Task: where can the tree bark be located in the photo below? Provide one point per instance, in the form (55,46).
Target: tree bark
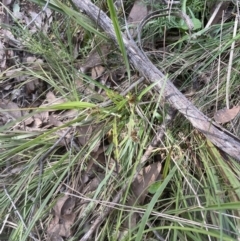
(218,137)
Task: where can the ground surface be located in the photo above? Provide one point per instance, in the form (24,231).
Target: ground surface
(74,127)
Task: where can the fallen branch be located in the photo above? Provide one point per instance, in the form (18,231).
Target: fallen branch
(218,137)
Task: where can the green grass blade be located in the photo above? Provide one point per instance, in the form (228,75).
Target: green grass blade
(118,34)
(70,105)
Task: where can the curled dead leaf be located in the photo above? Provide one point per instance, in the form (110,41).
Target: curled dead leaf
(68,206)
(52,99)
(85,133)
(139,187)
(55,237)
(225,115)
(10,109)
(54,121)
(138,12)
(7,2)
(37,123)
(29,121)
(11,73)
(146,177)
(60,225)
(96,57)
(97,71)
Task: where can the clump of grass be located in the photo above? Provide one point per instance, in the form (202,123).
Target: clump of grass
(198,197)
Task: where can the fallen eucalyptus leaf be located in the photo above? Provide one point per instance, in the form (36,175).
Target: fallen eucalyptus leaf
(225,115)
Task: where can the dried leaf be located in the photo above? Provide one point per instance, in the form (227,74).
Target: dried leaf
(43,116)
(96,57)
(131,221)
(11,73)
(3,120)
(8,36)
(51,99)
(68,206)
(47,21)
(225,115)
(139,187)
(93,185)
(29,121)
(32,86)
(7,2)
(54,121)
(12,108)
(37,19)
(37,123)
(67,138)
(59,204)
(85,133)
(138,12)
(17,169)
(97,71)
(216,12)
(69,114)
(99,151)
(145,178)
(34,62)
(63,219)
(62,225)
(55,237)
(77,40)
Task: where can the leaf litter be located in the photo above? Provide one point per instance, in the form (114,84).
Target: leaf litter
(64,216)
